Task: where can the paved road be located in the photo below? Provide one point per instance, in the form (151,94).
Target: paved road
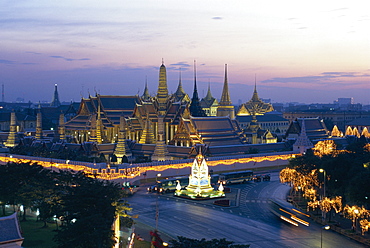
(250,222)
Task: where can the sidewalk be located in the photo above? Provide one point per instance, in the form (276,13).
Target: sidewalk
(337,223)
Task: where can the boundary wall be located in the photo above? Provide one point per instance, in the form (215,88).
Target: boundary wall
(168,168)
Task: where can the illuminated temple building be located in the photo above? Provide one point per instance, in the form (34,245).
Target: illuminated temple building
(160,127)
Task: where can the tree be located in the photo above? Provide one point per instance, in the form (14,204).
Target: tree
(89,212)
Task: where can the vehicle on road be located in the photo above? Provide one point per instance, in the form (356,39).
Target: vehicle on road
(288,213)
(169,184)
(236,177)
(257,178)
(266,177)
(129,189)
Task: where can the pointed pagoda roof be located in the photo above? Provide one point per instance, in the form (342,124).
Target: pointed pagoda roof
(303,141)
(162,94)
(225,98)
(180,94)
(207,101)
(195,108)
(255,106)
(146,96)
(55,102)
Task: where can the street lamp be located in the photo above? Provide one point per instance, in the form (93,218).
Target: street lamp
(356,211)
(156,177)
(156,205)
(327,227)
(323,171)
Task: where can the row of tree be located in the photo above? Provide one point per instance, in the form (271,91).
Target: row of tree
(85,207)
(346,172)
(330,178)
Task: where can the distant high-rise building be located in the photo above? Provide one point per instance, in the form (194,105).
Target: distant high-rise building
(344,101)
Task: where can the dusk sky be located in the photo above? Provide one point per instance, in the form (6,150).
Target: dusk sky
(298,51)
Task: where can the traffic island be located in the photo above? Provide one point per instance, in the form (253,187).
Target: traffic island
(199,196)
(222,203)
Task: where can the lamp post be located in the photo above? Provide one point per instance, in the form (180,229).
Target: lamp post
(156,176)
(323,171)
(356,211)
(156,205)
(327,227)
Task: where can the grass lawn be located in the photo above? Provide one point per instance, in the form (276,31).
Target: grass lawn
(37,236)
(141,244)
(34,234)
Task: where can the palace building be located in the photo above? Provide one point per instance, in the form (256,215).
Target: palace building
(159,127)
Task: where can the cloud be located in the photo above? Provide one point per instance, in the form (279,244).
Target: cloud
(339,9)
(67,59)
(322,78)
(36,53)
(181,64)
(7,62)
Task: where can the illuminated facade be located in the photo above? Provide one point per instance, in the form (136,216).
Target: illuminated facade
(199,181)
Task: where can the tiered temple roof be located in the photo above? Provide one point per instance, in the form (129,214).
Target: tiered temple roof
(315,128)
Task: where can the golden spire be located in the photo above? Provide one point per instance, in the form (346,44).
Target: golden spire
(10,142)
(39,125)
(255,94)
(225,107)
(99,127)
(162,94)
(61,127)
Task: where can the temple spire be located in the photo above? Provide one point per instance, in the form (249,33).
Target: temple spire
(225,98)
(55,102)
(61,128)
(195,108)
(225,107)
(162,94)
(121,149)
(303,142)
(180,94)
(10,142)
(209,94)
(38,125)
(146,96)
(255,94)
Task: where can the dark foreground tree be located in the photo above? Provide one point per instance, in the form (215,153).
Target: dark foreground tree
(184,242)
(89,212)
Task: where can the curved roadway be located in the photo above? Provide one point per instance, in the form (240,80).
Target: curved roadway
(250,222)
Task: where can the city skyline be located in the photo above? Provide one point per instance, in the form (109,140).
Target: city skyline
(314,52)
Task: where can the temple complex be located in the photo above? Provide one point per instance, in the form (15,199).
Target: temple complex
(164,126)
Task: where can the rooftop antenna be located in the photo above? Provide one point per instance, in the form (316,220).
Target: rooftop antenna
(2,93)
